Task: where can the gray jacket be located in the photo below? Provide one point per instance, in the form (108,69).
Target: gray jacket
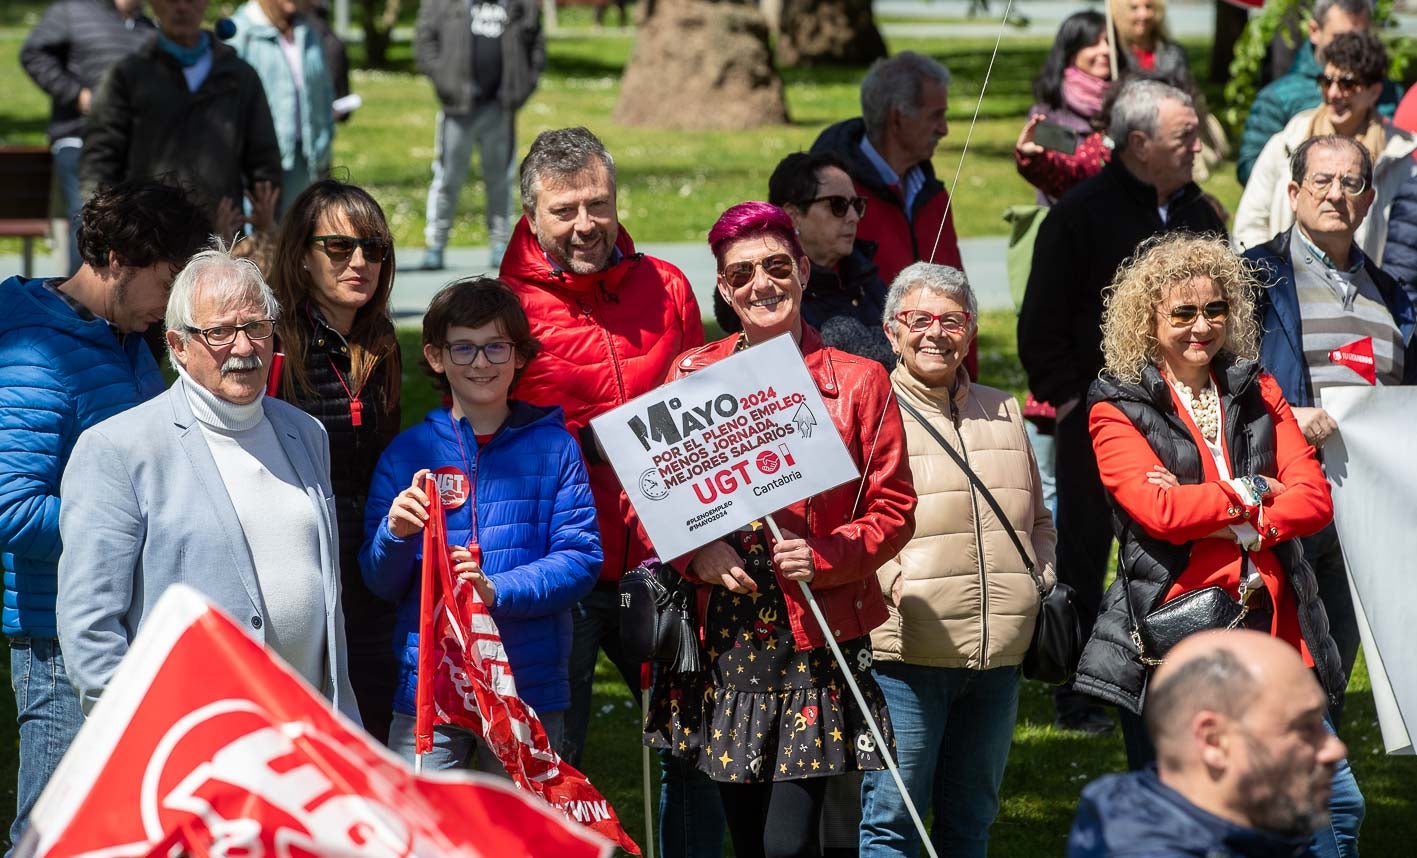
(442,48)
(144,507)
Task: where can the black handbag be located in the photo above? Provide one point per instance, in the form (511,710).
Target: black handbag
(657,619)
(1056,647)
(1197,611)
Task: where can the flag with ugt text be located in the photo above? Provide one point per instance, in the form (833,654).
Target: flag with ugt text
(205,744)
(464,680)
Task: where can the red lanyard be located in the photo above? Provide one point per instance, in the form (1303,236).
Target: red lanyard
(471,485)
(356,407)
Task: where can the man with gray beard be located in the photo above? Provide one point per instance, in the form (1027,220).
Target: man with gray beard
(212,484)
(1246,764)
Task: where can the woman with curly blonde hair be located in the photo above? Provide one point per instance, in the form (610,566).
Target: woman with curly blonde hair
(1210,479)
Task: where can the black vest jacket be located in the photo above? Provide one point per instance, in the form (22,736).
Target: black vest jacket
(1111,668)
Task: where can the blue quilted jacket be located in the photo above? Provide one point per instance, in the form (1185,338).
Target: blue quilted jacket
(535,524)
(59,375)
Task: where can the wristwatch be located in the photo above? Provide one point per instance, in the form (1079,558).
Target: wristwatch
(1258,484)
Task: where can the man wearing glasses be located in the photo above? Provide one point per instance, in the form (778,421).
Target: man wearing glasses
(212,484)
(1330,317)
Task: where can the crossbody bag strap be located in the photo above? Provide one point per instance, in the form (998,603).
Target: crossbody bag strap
(978,484)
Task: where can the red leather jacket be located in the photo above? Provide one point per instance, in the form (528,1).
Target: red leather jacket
(849,540)
(606,338)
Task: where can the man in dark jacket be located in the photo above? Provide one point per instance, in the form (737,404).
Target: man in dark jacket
(1245,763)
(484,58)
(66,55)
(68,360)
(1330,317)
(1145,190)
(184,106)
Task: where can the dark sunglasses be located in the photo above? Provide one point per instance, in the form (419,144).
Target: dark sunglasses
(341,247)
(1346,83)
(839,204)
(1184,316)
(779,266)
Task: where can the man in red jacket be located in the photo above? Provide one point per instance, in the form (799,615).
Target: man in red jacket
(611,321)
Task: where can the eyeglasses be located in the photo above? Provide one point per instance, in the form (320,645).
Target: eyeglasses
(919,321)
(341,247)
(1346,83)
(225,335)
(497,351)
(839,204)
(1184,315)
(779,266)
(1319,183)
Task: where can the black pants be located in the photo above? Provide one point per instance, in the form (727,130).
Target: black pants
(1325,555)
(1084,524)
(794,808)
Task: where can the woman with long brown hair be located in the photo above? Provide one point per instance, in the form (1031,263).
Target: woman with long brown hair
(333,273)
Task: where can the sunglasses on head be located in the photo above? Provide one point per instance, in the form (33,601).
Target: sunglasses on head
(341,247)
(1184,315)
(779,266)
(839,204)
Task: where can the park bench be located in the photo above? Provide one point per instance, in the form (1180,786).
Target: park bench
(25,174)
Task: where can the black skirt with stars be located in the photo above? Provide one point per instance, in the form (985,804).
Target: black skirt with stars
(761,710)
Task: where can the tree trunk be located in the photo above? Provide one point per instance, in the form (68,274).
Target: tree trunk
(1230,22)
(701,65)
(378,26)
(828,32)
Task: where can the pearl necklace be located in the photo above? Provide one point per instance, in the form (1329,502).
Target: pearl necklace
(1205,409)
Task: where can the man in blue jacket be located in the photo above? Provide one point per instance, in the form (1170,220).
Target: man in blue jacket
(1330,317)
(71,355)
(1245,762)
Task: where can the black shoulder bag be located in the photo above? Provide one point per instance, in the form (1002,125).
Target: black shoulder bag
(1057,636)
(657,617)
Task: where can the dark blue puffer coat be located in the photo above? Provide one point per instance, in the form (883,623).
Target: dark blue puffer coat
(535,524)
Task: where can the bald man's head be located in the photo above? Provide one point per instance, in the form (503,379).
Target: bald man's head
(1238,724)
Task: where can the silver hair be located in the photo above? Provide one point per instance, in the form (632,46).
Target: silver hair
(940,279)
(214,270)
(1138,108)
(560,153)
(1352,7)
(895,84)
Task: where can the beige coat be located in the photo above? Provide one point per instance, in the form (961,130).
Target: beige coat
(958,593)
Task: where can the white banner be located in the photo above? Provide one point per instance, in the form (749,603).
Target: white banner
(1374,478)
(717,449)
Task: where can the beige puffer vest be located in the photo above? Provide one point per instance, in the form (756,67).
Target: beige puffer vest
(958,593)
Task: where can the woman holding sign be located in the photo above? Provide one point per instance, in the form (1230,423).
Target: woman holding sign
(769,718)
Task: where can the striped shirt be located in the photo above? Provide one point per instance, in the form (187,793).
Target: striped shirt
(1341,308)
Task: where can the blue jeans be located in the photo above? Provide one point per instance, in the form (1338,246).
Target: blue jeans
(953,728)
(1045,452)
(691,823)
(49,715)
(66,173)
(453,747)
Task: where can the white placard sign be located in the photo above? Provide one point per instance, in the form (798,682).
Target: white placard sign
(1374,482)
(715,450)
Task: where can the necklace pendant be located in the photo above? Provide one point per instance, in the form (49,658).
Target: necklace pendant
(356,412)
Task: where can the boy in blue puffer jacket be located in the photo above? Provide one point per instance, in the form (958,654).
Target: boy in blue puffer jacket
(514,486)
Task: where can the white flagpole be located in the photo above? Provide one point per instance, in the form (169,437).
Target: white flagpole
(861,702)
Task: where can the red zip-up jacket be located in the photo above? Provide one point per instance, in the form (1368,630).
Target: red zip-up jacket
(606,338)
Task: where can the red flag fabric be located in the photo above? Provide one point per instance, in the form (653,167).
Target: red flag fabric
(207,744)
(1357,356)
(464,674)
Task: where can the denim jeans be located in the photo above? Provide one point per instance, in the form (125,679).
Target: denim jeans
(1045,452)
(49,715)
(66,154)
(953,728)
(453,747)
(492,129)
(691,821)
(1346,805)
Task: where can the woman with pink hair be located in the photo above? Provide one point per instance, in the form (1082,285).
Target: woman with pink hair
(769,717)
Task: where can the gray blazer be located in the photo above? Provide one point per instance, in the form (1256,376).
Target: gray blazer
(143,506)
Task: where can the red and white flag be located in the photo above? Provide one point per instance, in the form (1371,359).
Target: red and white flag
(1357,356)
(464,680)
(207,745)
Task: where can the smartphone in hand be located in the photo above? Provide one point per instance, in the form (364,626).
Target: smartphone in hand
(1051,135)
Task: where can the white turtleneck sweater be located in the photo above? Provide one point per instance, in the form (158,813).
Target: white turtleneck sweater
(279,522)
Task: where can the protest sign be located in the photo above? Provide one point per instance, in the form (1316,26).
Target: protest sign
(206,744)
(1374,493)
(724,446)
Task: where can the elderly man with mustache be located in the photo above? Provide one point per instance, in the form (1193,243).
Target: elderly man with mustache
(211,484)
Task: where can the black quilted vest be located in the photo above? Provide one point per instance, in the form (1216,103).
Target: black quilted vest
(1111,668)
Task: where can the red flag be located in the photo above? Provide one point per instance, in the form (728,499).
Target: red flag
(464,676)
(206,743)
(1357,356)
